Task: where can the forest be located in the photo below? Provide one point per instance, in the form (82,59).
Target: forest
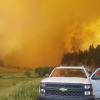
(90,57)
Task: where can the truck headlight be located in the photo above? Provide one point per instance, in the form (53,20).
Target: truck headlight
(86,93)
(42,91)
(42,88)
(88,86)
(88,90)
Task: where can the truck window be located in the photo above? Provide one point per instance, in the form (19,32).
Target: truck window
(96,75)
(68,73)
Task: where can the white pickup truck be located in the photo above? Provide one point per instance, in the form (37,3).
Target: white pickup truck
(70,83)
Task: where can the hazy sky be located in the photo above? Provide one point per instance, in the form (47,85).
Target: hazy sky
(38,32)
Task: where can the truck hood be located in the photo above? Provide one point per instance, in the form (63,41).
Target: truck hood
(76,80)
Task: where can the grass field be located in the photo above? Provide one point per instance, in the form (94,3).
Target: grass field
(17,86)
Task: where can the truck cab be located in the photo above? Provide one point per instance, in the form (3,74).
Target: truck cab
(67,83)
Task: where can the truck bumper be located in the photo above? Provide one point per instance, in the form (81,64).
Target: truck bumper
(64,98)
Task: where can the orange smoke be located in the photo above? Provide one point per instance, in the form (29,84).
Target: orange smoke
(39,32)
(81,37)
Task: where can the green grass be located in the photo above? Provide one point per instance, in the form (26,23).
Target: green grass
(16,87)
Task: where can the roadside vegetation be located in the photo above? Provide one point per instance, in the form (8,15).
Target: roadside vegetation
(19,86)
(16,84)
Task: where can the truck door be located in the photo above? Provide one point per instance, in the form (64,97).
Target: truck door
(95,79)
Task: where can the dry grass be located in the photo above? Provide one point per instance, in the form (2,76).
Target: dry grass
(14,87)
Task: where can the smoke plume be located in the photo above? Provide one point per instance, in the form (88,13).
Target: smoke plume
(39,32)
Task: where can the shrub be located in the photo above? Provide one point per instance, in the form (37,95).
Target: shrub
(28,73)
(42,71)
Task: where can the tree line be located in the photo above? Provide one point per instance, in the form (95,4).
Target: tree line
(90,57)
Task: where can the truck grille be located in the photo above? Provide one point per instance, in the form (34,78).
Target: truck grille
(70,90)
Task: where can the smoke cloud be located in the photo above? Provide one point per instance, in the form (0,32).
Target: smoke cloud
(39,32)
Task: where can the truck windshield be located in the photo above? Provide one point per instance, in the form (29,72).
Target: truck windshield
(64,72)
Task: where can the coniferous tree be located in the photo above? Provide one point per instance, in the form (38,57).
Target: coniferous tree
(90,57)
